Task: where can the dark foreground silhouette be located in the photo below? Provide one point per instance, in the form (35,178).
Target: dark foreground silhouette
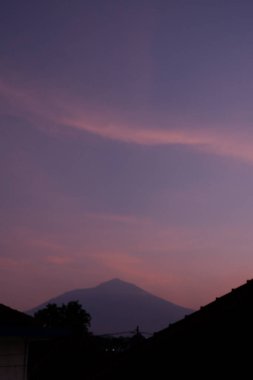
(77,358)
(214,342)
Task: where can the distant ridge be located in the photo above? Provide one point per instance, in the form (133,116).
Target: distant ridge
(119,306)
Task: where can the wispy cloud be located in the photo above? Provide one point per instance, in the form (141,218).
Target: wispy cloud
(118,218)
(56,108)
(9,263)
(204,139)
(59,260)
(119,263)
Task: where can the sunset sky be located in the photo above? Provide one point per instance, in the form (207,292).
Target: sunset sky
(126,147)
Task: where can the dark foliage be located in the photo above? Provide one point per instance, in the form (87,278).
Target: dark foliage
(71,316)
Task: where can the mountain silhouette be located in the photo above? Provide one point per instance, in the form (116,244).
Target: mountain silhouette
(118,306)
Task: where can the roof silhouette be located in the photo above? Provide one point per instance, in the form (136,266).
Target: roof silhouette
(11,317)
(16,323)
(213,342)
(226,312)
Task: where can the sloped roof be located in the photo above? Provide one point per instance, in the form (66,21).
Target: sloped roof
(18,324)
(11,317)
(233,310)
(214,338)
(214,342)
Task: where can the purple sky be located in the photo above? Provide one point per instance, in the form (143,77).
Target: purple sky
(126,147)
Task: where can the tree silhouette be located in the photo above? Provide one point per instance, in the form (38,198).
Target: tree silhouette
(71,316)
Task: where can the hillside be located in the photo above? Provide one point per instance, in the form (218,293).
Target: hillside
(119,306)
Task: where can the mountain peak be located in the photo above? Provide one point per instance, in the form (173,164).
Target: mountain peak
(117,285)
(117,305)
(114,281)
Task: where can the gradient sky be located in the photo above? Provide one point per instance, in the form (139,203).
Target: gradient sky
(126,147)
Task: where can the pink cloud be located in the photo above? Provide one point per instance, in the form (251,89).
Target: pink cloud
(45,244)
(59,260)
(203,139)
(8,263)
(154,262)
(117,218)
(48,105)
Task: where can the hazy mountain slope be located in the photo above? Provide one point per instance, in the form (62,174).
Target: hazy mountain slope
(117,306)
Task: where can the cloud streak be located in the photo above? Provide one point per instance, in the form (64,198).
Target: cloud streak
(219,143)
(49,106)
(117,218)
